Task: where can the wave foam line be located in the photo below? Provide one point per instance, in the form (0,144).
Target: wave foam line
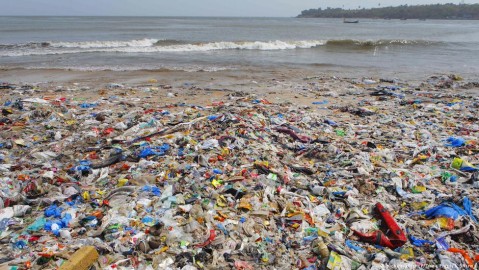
(150,46)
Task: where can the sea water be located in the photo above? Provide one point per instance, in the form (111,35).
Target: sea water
(410,48)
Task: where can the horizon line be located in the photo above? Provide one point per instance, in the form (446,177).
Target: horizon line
(152,16)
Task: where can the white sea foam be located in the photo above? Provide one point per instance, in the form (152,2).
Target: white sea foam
(153,46)
(187,68)
(105,44)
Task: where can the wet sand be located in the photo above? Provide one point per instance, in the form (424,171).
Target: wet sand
(162,87)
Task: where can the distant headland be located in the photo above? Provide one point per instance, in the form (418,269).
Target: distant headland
(422,12)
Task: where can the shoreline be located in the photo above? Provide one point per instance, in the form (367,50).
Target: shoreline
(278,85)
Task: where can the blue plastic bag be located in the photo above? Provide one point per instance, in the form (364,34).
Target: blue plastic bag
(441,210)
(213,117)
(66,220)
(467,204)
(85,105)
(85,166)
(153,189)
(419,242)
(53,211)
(450,210)
(54,226)
(455,142)
(354,247)
(147,220)
(441,244)
(154,151)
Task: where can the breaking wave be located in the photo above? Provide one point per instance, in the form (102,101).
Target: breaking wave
(140,43)
(159,46)
(148,46)
(366,44)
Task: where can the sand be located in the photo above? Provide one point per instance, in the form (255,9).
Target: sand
(156,88)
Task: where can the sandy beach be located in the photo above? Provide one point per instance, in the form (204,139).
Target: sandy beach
(298,86)
(201,88)
(146,167)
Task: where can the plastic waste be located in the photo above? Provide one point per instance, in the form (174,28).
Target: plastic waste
(455,142)
(241,182)
(395,236)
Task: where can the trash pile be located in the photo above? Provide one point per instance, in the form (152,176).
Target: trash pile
(387,180)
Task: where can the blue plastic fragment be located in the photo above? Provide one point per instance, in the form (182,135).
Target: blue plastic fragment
(147,219)
(467,204)
(53,211)
(310,238)
(4,224)
(213,117)
(222,228)
(354,247)
(85,166)
(21,244)
(330,122)
(54,226)
(154,151)
(455,142)
(419,242)
(85,105)
(441,244)
(66,220)
(442,211)
(153,189)
(450,210)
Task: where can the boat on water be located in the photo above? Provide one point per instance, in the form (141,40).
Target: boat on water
(350,21)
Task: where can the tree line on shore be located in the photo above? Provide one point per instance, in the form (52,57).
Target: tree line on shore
(437,11)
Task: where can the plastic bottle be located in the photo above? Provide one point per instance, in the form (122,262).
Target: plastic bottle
(320,248)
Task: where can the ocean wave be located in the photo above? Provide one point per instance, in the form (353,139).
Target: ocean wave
(156,68)
(157,46)
(32,45)
(106,44)
(353,43)
(165,46)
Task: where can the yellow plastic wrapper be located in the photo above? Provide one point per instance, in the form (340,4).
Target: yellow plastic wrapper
(122,182)
(418,189)
(216,183)
(419,205)
(86,196)
(442,222)
(408,253)
(245,205)
(457,163)
(334,262)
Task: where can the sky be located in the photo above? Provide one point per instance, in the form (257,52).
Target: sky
(250,8)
